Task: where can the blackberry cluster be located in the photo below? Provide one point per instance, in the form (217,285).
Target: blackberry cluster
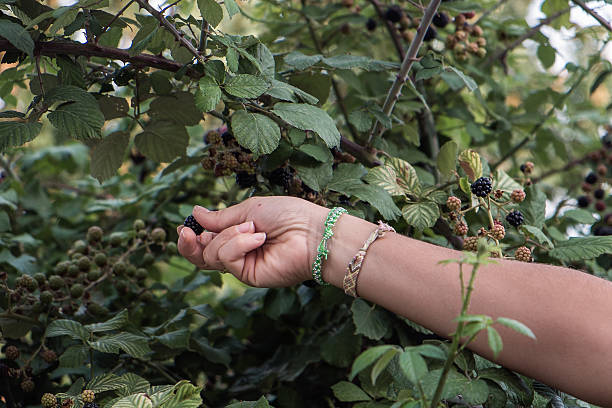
(596,181)
(245,179)
(515,218)
(481,187)
(225,155)
(467,39)
(282,176)
(191,222)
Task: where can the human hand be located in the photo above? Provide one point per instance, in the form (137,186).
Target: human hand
(263,241)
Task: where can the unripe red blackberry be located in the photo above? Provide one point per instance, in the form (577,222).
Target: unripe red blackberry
(88,396)
(220,170)
(602,170)
(94,234)
(48,400)
(460,228)
(208,163)
(586,187)
(600,206)
(515,218)
(27,385)
(138,225)
(76,290)
(213,138)
(518,196)
(470,244)
(481,187)
(460,20)
(100,259)
(498,194)
(48,355)
(158,235)
(11,352)
(453,203)
(469,15)
(523,254)
(498,232)
(191,222)
(56,282)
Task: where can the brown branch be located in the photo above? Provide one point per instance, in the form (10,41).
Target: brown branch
(593,14)
(533,31)
(170,27)
(393,32)
(59,47)
(365,157)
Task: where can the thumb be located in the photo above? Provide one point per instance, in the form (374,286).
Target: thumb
(217,221)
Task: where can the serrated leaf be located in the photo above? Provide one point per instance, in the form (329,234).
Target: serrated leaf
(179,108)
(467,80)
(315,176)
(135,346)
(494,340)
(141,400)
(469,160)
(349,61)
(208,95)
(447,158)
(116,322)
(211,11)
(341,346)
(178,339)
(516,326)
(256,132)
(113,107)
(367,358)
(370,321)
(382,363)
(105,382)
(509,381)
(231,7)
(17,36)
(65,327)
(74,356)
(317,152)
(69,93)
(413,365)
(580,215)
(538,235)
(300,61)
(162,141)
(308,117)
(107,156)
(578,249)
(349,392)
(17,133)
(397,177)
(421,215)
(504,182)
(287,92)
(78,120)
(186,395)
(246,86)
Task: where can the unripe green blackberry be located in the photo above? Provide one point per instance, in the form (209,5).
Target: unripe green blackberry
(131,270)
(27,282)
(40,278)
(498,232)
(158,235)
(27,385)
(148,259)
(138,225)
(48,355)
(143,234)
(73,269)
(96,309)
(93,275)
(94,234)
(146,296)
(470,244)
(11,352)
(141,273)
(48,400)
(100,259)
(76,290)
(80,247)
(46,297)
(88,396)
(523,254)
(119,268)
(171,248)
(518,196)
(116,239)
(56,282)
(121,286)
(62,267)
(84,263)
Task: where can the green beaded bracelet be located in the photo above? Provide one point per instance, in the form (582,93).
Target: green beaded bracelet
(322,250)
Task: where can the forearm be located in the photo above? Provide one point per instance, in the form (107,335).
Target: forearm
(571,352)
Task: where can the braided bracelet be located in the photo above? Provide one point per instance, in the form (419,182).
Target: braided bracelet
(349,284)
(322,250)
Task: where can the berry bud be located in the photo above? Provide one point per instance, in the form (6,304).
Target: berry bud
(171,248)
(100,259)
(48,355)
(76,290)
(56,282)
(138,225)
(461,228)
(93,275)
(88,396)
(158,235)
(94,234)
(84,264)
(46,297)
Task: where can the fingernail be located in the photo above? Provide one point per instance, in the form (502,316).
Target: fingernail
(259,237)
(201,209)
(246,226)
(182,233)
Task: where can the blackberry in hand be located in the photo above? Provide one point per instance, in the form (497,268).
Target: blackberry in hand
(245,179)
(190,222)
(481,187)
(591,178)
(91,405)
(515,218)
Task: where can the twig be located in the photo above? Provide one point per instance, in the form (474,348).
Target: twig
(129,3)
(593,14)
(203,36)
(170,5)
(177,34)
(402,76)
(40,81)
(534,30)
(537,127)
(393,33)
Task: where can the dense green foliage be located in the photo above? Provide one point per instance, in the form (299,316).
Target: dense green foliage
(92,292)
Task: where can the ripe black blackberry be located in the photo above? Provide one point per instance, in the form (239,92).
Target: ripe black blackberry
(430,34)
(583,201)
(227,138)
(91,405)
(591,178)
(190,222)
(245,179)
(394,13)
(599,193)
(440,20)
(515,218)
(371,24)
(281,177)
(481,187)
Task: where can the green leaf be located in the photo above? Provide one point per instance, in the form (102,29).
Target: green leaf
(504,182)
(287,92)
(187,395)
(69,93)
(211,11)
(494,340)
(208,95)
(580,215)
(382,363)
(315,176)
(367,358)
(179,108)
(74,356)
(538,235)
(467,80)
(547,55)
(133,383)
(210,353)
(65,327)
(370,321)
(256,132)
(397,177)
(516,326)
(17,36)
(349,392)
(413,365)
(578,249)
(17,133)
(162,141)
(509,381)
(349,61)
(308,117)
(317,152)
(341,346)
(105,382)
(63,17)
(113,107)
(421,215)
(534,207)
(246,86)
(469,160)
(107,156)
(361,120)
(140,400)
(231,7)
(78,120)
(116,322)
(447,158)
(178,339)
(300,61)
(135,346)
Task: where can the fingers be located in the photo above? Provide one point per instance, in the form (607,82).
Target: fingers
(235,253)
(217,221)
(192,246)
(211,251)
